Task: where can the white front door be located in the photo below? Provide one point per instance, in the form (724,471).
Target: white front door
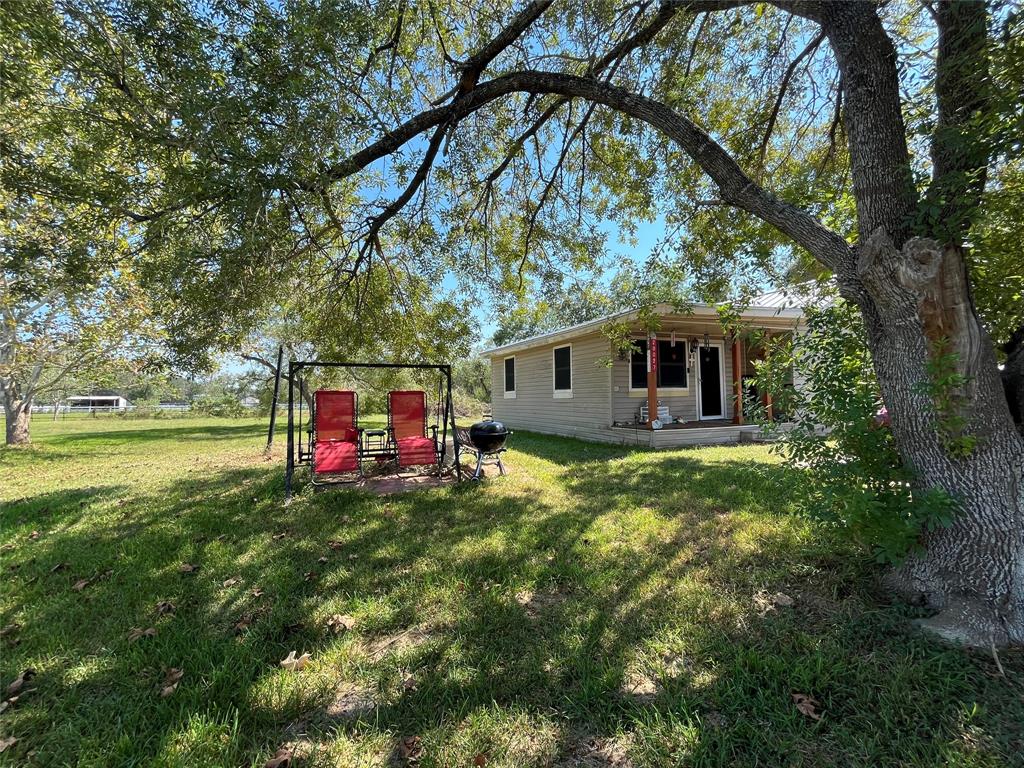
(710,382)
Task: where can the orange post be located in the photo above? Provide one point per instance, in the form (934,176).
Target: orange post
(652,379)
(737,379)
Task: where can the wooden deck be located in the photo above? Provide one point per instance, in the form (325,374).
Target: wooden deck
(688,433)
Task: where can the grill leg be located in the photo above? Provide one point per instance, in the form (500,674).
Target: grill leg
(479,466)
(501,467)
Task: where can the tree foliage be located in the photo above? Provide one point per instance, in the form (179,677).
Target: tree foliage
(840,436)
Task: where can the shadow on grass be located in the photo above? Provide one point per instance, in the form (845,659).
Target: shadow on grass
(648,570)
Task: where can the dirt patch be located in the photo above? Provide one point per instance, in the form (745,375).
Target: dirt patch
(676,665)
(642,688)
(714,719)
(587,751)
(537,603)
(766,602)
(351,702)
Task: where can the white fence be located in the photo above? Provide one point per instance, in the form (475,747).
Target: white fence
(108,408)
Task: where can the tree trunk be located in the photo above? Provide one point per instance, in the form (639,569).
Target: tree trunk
(917,308)
(17,414)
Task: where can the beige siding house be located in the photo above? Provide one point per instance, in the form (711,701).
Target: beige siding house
(572,382)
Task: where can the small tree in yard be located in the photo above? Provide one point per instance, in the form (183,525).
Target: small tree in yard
(839,434)
(262,136)
(62,313)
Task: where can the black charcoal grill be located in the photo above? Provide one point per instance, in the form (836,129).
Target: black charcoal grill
(487,440)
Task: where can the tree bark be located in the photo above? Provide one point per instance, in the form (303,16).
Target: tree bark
(17,415)
(916,303)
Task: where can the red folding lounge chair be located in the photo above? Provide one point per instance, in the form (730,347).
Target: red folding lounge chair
(335,434)
(407,421)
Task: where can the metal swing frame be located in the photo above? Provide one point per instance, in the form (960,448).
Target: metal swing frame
(300,454)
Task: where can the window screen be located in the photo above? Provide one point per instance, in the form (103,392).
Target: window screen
(638,365)
(563,369)
(510,374)
(671,365)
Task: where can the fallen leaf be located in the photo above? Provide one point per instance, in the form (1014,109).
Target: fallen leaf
(171,679)
(410,749)
(782,600)
(58,567)
(353,556)
(279,536)
(79,585)
(10,629)
(8,703)
(257,592)
(294,663)
(281,759)
(339,623)
(409,683)
(232,581)
(807,705)
(164,608)
(34,535)
(310,576)
(480,760)
(187,568)
(322,560)
(243,624)
(19,682)
(137,633)
(7,743)
(335,545)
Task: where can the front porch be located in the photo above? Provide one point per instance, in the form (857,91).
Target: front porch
(704,378)
(677,434)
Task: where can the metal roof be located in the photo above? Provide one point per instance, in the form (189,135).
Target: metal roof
(764,307)
(801,295)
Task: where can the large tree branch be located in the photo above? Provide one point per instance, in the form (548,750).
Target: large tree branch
(872,114)
(419,177)
(608,62)
(735,186)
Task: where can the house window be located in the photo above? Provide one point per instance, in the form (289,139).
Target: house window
(671,365)
(562,364)
(510,377)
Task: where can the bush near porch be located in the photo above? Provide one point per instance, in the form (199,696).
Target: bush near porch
(600,606)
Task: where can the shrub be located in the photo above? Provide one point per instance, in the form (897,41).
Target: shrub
(225,406)
(840,437)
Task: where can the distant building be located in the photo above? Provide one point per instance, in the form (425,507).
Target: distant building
(250,402)
(92,403)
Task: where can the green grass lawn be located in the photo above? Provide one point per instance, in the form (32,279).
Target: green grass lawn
(599,606)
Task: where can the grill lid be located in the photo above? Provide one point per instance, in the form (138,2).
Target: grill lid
(488,428)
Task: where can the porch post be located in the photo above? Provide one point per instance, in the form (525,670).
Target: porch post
(766,397)
(652,378)
(737,379)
